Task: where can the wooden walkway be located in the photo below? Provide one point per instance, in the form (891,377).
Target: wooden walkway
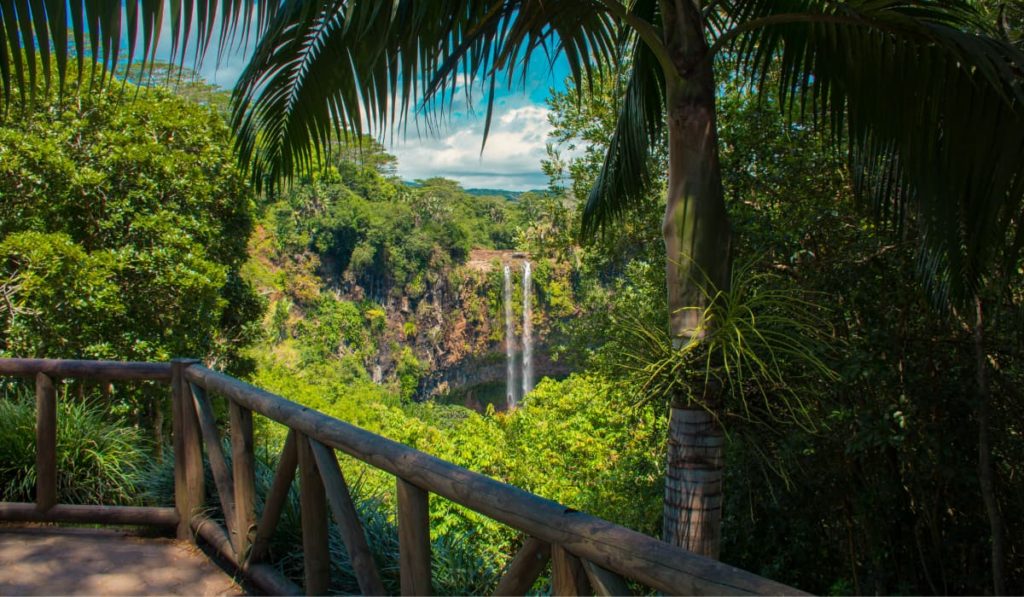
(78,561)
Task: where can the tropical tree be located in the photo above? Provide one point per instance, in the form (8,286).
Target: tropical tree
(123,228)
(925,94)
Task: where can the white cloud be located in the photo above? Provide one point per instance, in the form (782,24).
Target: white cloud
(515,145)
(510,160)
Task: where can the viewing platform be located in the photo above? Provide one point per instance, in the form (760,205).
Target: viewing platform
(580,553)
(75,561)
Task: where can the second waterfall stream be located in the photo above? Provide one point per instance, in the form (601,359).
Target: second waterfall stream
(527,329)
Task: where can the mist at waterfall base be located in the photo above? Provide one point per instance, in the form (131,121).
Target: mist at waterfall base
(512,389)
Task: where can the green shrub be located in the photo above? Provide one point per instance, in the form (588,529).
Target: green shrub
(99,460)
(409,370)
(335,328)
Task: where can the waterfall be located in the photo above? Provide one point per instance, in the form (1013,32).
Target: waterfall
(510,338)
(527,329)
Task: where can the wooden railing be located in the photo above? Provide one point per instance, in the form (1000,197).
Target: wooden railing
(588,555)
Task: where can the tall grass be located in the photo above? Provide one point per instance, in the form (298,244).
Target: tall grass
(99,460)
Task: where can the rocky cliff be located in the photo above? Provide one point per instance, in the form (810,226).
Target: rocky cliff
(455,328)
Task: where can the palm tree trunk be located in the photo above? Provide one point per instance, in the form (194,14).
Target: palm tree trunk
(693,485)
(986,472)
(697,240)
(696,225)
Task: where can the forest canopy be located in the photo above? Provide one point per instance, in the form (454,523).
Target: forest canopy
(124,223)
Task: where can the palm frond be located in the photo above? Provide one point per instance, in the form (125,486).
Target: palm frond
(326,70)
(626,176)
(105,34)
(931,109)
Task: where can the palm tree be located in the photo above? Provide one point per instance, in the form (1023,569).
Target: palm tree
(925,95)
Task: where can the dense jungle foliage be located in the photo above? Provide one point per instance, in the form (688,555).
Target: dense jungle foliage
(127,233)
(123,227)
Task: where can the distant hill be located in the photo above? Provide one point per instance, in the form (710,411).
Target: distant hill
(510,195)
(504,193)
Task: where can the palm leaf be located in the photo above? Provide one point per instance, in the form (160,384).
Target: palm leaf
(625,177)
(932,110)
(102,32)
(339,67)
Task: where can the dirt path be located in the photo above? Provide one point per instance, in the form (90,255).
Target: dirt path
(76,561)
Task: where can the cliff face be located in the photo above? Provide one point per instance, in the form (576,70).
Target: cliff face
(456,326)
(440,333)
(448,323)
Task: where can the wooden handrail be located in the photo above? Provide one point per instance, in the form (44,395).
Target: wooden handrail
(657,564)
(586,553)
(89,514)
(103,370)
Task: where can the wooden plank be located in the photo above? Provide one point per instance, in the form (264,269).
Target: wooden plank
(215,455)
(413,538)
(567,575)
(605,582)
(525,568)
(243,469)
(661,566)
(276,498)
(266,578)
(315,551)
(345,516)
(112,515)
(46,442)
(73,369)
(189,480)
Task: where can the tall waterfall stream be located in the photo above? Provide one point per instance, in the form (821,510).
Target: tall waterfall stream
(527,329)
(510,342)
(512,389)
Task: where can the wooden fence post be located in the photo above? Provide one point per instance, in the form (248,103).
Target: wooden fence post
(276,498)
(313,501)
(222,477)
(344,509)
(243,476)
(189,485)
(525,568)
(414,539)
(605,582)
(567,575)
(46,442)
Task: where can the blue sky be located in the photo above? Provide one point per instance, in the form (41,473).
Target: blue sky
(515,144)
